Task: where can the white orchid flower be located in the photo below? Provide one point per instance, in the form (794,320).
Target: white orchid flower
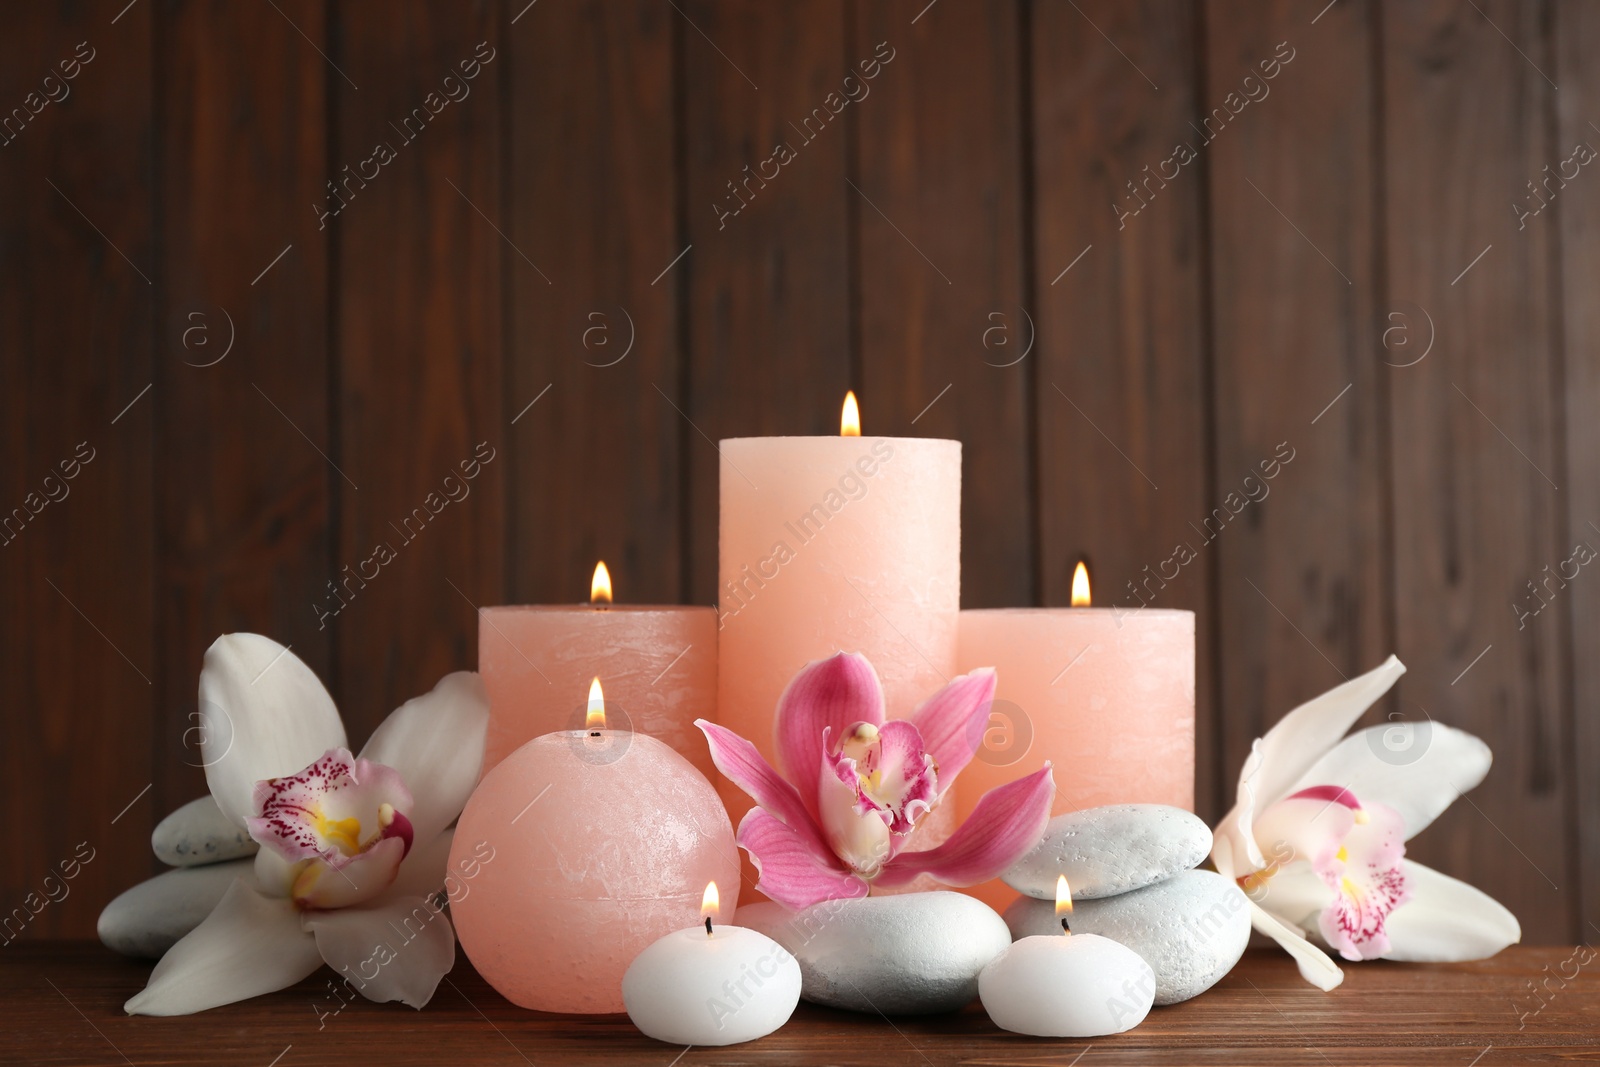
(353,848)
(1317,836)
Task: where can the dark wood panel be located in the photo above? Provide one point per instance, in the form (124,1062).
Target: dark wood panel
(1122,383)
(1573,222)
(595,309)
(945,326)
(1262,1013)
(770,347)
(242,518)
(1474,430)
(1286,130)
(76,411)
(420,325)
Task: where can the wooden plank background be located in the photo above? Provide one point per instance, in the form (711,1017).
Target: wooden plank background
(1124,252)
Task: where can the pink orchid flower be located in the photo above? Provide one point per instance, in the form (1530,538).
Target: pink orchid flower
(856,786)
(1317,838)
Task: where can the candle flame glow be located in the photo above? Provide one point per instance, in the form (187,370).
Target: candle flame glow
(711,903)
(596,719)
(600,585)
(850,417)
(1063,903)
(1080,586)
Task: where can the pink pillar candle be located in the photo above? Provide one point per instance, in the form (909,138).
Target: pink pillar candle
(1106,695)
(587,846)
(659,666)
(835,544)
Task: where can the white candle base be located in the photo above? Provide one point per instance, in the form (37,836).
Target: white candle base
(1058,985)
(690,989)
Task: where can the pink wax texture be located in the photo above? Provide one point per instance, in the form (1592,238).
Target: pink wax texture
(1106,695)
(658,666)
(597,847)
(835,544)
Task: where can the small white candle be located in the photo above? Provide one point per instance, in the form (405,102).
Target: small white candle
(711,985)
(1067,985)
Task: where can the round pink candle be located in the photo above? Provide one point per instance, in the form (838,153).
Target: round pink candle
(659,663)
(599,842)
(835,544)
(1104,694)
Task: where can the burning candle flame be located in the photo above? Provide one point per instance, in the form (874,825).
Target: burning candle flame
(600,585)
(596,719)
(850,417)
(1080,586)
(710,905)
(1063,903)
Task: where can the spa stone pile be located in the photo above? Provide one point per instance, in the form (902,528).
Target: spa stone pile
(207,852)
(1130,870)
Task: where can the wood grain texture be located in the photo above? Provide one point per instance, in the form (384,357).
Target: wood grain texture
(1475,436)
(943,318)
(1121,374)
(420,345)
(64,1007)
(76,553)
(595,311)
(1376,201)
(1287,133)
(770,349)
(243,524)
(1574,222)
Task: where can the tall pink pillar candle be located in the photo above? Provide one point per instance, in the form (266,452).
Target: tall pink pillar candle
(835,544)
(659,665)
(1106,695)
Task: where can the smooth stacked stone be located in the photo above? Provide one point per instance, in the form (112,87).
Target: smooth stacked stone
(197,834)
(1130,869)
(911,954)
(154,915)
(207,852)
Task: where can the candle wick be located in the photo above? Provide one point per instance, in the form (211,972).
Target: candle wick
(594,733)
(708,926)
(1066,928)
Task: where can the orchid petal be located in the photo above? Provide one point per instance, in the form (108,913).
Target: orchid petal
(275,875)
(329,809)
(791,871)
(1450,762)
(248,946)
(263,713)
(952,722)
(1295,893)
(742,764)
(424,870)
(855,824)
(1370,885)
(1278,760)
(1447,920)
(1007,821)
(1315,966)
(1301,737)
(1303,827)
(397,948)
(1233,842)
(356,880)
(831,693)
(436,743)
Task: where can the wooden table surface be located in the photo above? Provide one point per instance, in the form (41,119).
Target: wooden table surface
(61,1003)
